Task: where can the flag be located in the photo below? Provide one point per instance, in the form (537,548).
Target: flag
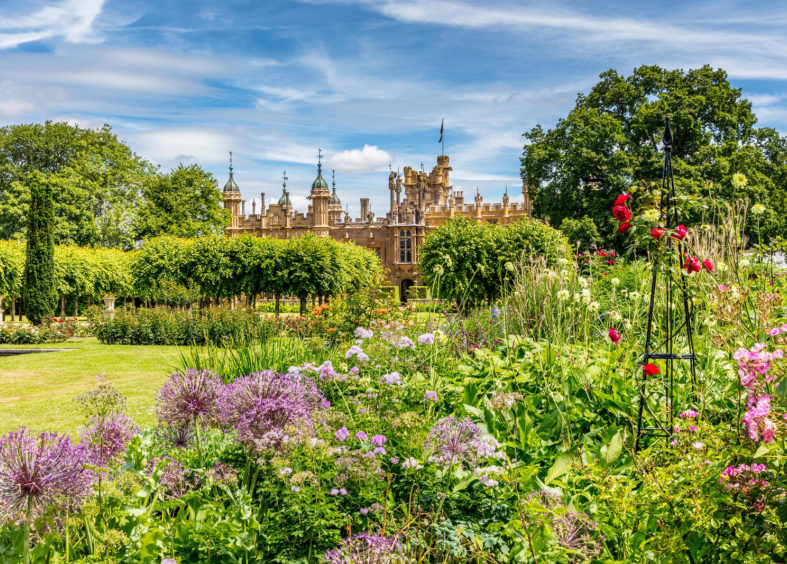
(441,131)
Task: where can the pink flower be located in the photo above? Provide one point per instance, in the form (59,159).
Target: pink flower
(614,336)
(692,428)
(698,445)
(775,331)
(688,413)
(674,442)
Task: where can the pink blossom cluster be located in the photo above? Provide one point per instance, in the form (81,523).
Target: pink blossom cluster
(744,480)
(756,419)
(755,363)
(778,330)
(754,369)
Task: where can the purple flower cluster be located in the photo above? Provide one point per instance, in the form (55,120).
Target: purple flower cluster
(105,440)
(188,397)
(745,480)
(259,406)
(45,469)
(365,549)
(459,441)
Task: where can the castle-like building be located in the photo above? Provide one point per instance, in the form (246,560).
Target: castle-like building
(419,202)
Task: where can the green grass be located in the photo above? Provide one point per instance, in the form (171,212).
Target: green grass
(36,390)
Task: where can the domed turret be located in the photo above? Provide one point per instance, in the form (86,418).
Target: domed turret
(285,196)
(334,199)
(231,186)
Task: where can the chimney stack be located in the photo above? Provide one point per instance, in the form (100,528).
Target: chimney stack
(364,209)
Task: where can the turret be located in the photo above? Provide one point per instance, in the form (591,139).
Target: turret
(320,195)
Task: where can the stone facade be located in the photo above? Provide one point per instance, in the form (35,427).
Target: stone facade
(419,202)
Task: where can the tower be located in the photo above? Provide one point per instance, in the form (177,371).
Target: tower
(232,197)
(320,195)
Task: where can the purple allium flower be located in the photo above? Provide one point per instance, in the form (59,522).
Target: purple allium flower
(342,434)
(334,492)
(186,398)
(356,351)
(168,561)
(392,379)
(365,549)
(378,440)
(43,469)
(223,474)
(179,436)
(426,339)
(175,480)
(354,371)
(361,410)
(380,450)
(431,395)
(105,441)
(404,343)
(259,406)
(459,441)
(364,510)
(296,489)
(361,436)
(342,491)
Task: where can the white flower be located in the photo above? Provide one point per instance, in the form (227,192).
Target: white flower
(698,445)
(563,273)
(651,215)
(615,316)
(615,282)
(562,295)
(739,180)
(634,296)
(593,306)
(744,263)
(758,209)
(721,267)
(562,261)
(411,463)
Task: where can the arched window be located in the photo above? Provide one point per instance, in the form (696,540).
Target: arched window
(405,246)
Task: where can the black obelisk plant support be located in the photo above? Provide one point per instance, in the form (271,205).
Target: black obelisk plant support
(669,330)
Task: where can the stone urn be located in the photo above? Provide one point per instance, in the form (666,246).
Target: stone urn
(109,305)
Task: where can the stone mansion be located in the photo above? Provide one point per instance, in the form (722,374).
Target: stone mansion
(419,202)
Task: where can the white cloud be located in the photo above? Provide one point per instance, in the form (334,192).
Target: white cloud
(70,19)
(171,146)
(370,158)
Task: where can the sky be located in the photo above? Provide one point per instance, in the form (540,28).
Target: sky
(366,81)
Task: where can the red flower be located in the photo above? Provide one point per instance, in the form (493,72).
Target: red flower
(610,262)
(623,227)
(692,265)
(680,232)
(614,336)
(621,213)
(612,253)
(657,232)
(708,265)
(622,199)
(650,369)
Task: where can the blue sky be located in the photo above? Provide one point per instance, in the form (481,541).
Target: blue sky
(367,81)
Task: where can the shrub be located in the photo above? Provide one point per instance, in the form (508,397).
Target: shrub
(162,326)
(39,288)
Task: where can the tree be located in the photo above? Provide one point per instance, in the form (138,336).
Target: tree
(98,179)
(582,234)
(184,203)
(610,140)
(39,288)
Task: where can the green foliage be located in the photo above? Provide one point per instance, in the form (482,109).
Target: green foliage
(582,234)
(96,177)
(185,203)
(611,140)
(471,263)
(39,283)
(162,326)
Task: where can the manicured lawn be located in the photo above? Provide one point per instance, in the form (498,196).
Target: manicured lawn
(37,390)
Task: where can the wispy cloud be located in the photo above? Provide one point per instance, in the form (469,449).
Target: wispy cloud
(368,159)
(71,20)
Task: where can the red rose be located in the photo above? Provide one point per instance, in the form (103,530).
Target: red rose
(708,265)
(680,232)
(623,227)
(614,336)
(622,199)
(621,213)
(650,369)
(691,265)
(657,232)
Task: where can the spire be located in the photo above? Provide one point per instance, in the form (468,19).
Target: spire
(285,197)
(231,186)
(334,199)
(319,161)
(319,182)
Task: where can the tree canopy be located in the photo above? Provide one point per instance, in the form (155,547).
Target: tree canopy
(105,194)
(610,141)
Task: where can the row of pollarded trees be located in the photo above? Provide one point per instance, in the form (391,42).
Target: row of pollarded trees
(173,271)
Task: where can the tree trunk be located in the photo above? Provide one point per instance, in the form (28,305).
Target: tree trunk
(303,305)
(62,305)
(278,300)
(13,308)
(76,306)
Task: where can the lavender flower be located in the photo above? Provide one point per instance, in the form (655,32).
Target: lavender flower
(392,379)
(426,339)
(189,397)
(365,549)
(41,470)
(431,395)
(361,436)
(342,434)
(459,441)
(105,440)
(362,333)
(378,440)
(356,351)
(404,343)
(261,405)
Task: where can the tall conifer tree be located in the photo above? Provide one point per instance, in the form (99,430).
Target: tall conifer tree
(39,281)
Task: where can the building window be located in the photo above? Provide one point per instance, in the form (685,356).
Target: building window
(379,252)
(492,221)
(405,246)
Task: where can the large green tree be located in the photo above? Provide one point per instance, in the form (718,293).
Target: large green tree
(610,140)
(185,203)
(97,180)
(39,287)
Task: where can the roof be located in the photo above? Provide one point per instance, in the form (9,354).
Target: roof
(231,186)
